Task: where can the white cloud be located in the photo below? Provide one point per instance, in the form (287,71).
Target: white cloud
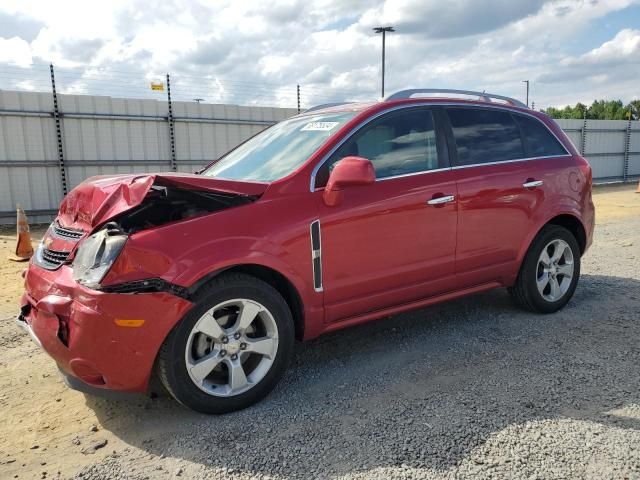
(609,71)
(240,50)
(626,44)
(15,50)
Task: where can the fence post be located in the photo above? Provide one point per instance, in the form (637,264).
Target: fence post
(56,118)
(627,146)
(298,94)
(172,134)
(583,144)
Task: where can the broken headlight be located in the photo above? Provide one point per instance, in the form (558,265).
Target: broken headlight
(95,256)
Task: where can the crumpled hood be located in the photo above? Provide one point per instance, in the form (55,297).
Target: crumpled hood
(100,198)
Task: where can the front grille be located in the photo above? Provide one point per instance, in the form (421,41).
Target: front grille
(52,259)
(64,232)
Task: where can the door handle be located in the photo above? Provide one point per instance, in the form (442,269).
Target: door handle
(533,184)
(441,200)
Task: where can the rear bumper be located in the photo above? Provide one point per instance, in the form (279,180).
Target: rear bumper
(76,327)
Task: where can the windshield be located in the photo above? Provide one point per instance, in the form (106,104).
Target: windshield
(280,149)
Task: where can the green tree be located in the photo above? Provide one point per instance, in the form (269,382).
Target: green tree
(598,110)
(634,108)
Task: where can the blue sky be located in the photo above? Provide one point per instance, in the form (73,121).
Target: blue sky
(605,28)
(245,51)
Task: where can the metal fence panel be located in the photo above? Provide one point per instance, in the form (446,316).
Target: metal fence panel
(634,143)
(604,147)
(609,167)
(573,129)
(606,136)
(28,153)
(604,144)
(634,165)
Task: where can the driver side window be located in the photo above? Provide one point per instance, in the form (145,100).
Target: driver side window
(397,144)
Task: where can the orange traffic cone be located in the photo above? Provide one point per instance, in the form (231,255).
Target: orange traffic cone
(24,250)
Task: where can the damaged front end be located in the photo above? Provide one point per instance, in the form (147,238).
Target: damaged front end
(97,218)
(172,204)
(97,297)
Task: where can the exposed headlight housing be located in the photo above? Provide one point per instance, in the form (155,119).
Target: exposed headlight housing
(38,257)
(38,253)
(95,256)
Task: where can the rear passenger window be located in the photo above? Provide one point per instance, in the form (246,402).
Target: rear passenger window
(538,140)
(484,135)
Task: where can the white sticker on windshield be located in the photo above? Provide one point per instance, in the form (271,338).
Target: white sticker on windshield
(319,126)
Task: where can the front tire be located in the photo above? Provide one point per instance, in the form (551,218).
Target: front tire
(549,273)
(231,349)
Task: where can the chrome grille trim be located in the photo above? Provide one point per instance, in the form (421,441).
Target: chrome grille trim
(53,259)
(67,233)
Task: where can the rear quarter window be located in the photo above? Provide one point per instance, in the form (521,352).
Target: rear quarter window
(538,140)
(483,135)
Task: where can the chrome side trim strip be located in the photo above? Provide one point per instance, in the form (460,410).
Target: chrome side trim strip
(459,167)
(440,104)
(316,254)
(435,170)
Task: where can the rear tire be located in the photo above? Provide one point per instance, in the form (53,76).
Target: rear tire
(549,273)
(231,349)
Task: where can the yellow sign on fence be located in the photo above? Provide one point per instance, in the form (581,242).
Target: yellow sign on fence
(157,86)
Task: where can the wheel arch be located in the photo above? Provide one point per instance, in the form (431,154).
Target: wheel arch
(574,225)
(276,279)
(567,220)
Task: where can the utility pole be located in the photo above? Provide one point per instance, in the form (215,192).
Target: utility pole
(527,82)
(383,31)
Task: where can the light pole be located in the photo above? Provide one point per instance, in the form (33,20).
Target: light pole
(383,31)
(198,100)
(527,82)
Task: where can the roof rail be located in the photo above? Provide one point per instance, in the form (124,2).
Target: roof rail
(486,97)
(325,105)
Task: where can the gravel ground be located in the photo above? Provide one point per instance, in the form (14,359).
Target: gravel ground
(474,388)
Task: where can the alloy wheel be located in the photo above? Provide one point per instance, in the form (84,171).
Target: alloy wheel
(231,347)
(555,270)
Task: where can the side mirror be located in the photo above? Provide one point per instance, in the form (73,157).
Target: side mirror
(348,172)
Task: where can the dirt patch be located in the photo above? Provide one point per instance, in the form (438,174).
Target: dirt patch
(472,388)
(614,202)
(11,284)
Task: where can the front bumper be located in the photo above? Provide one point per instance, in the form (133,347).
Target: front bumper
(76,327)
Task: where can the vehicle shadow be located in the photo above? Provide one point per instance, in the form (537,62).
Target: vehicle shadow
(424,390)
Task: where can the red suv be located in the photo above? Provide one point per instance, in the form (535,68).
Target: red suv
(337,216)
